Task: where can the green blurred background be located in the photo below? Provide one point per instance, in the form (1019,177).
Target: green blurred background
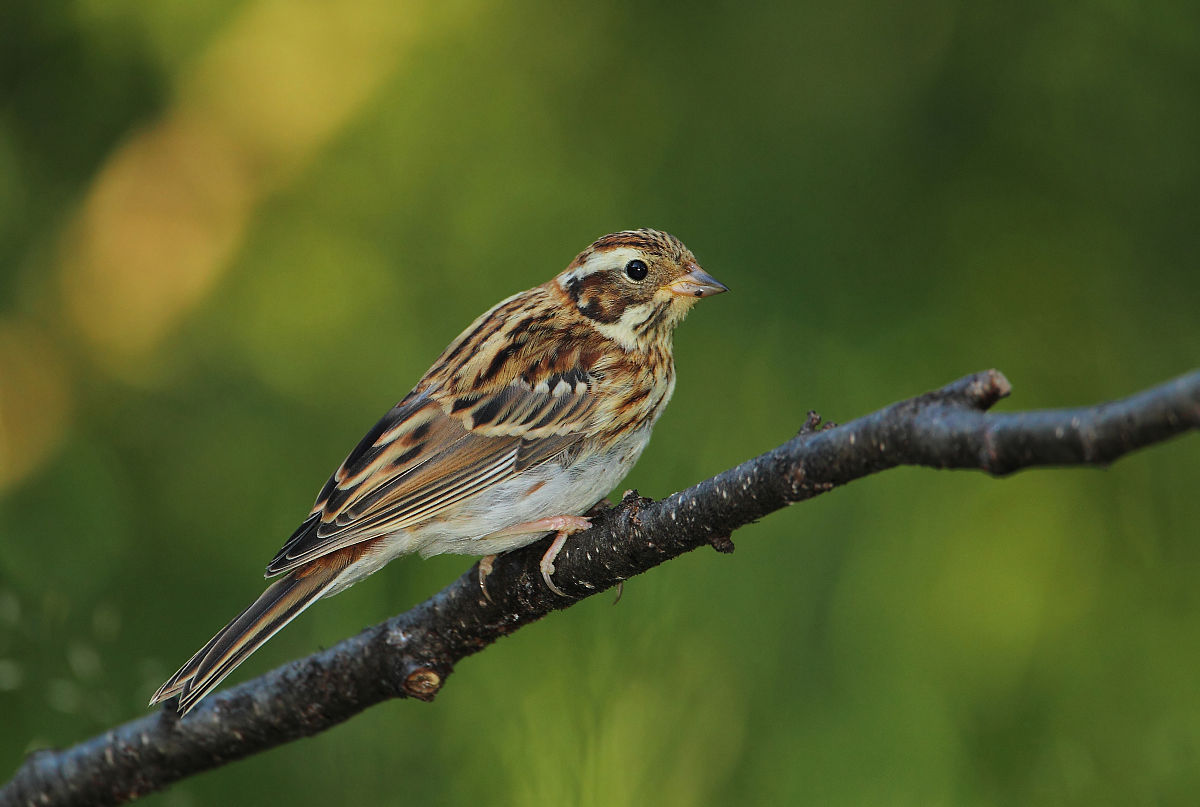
(233,233)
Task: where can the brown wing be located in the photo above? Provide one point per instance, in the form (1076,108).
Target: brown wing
(432,451)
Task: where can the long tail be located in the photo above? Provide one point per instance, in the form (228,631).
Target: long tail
(282,602)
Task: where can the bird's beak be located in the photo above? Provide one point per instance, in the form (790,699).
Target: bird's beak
(696,283)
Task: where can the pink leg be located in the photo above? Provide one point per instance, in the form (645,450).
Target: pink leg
(568,524)
(565,526)
(567,529)
(485,568)
(547,562)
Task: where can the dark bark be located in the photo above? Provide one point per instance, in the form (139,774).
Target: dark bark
(412,654)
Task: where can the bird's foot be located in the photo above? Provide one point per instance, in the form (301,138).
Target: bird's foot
(485,568)
(566,526)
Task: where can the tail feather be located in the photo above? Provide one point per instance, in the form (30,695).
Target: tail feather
(283,601)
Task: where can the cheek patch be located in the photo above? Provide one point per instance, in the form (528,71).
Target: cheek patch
(601,309)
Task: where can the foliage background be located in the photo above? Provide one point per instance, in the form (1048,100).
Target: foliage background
(233,233)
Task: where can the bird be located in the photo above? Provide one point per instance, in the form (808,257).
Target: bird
(525,422)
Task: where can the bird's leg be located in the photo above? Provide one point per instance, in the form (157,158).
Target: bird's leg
(565,526)
(485,568)
(547,562)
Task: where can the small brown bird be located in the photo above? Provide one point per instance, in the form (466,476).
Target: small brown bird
(531,416)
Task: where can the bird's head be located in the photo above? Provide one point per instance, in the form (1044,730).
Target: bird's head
(636,285)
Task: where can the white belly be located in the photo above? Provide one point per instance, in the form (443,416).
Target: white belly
(542,492)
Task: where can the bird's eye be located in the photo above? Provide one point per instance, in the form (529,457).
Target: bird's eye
(636,269)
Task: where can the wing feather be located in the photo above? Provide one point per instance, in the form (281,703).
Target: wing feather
(432,451)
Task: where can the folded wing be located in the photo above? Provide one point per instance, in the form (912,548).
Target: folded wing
(432,451)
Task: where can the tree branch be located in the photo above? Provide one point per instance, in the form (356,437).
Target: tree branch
(412,654)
